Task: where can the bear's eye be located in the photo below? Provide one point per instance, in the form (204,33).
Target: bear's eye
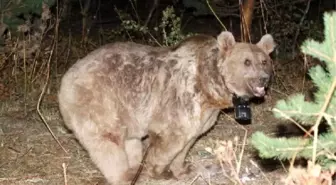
(247,62)
(264,62)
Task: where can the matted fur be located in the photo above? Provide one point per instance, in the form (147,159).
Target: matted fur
(123,92)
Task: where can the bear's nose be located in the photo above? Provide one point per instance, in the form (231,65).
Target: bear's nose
(263,80)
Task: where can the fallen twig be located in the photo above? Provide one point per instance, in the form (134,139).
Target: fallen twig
(64,174)
(41,97)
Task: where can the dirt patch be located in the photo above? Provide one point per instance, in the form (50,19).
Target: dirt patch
(29,155)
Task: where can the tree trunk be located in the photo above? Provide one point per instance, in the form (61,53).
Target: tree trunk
(248,8)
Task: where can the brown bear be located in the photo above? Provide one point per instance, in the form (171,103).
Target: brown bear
(123,92)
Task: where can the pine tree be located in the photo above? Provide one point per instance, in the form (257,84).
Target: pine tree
(320,148)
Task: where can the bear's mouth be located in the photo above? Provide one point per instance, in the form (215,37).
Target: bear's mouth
(251,89)
(258,91)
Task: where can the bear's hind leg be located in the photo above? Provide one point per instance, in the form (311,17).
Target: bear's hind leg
(108,152)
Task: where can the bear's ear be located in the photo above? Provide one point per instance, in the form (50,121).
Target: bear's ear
(225,41)
(266,43)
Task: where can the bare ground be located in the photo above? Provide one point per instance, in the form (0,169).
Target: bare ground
(29,154)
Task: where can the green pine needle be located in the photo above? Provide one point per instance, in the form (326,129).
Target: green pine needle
(296,108)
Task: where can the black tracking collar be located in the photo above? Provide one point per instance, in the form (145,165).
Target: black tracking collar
(242,109)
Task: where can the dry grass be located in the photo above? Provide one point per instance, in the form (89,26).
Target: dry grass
(311,175)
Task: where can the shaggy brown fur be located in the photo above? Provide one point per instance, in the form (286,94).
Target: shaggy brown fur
(123,92)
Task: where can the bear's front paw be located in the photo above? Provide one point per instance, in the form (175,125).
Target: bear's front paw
(182,172)
(159,172)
